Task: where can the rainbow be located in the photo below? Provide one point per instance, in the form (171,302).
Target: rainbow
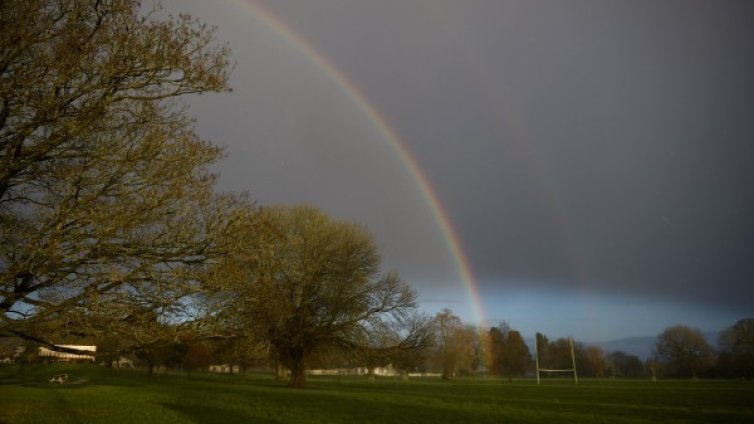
(389,134)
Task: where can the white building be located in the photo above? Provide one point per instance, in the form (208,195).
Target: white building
(387,371)
(66,356)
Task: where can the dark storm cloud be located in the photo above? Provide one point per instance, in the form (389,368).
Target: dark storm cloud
(600,143)
(598,146)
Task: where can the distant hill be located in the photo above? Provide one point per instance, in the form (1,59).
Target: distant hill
(639,346)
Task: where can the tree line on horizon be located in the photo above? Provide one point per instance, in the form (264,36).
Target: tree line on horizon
(111,231)
(679,352)
(452,349)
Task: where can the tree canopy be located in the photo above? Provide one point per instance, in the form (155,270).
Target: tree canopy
(509,354)
(306,283)
(683,351)
(105,195)
(737,349)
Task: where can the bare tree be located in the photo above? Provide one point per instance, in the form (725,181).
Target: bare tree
(388,344)
(105,197)
(305,283)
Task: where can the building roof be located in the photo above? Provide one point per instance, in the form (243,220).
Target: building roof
(43,351)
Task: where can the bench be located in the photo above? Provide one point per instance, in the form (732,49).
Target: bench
(59,378)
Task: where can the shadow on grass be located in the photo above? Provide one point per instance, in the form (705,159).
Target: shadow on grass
(210,414)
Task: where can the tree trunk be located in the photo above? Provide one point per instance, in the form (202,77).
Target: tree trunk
(279,371)
(298,376)
(447,373)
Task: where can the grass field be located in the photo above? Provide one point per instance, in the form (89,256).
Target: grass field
(96,395)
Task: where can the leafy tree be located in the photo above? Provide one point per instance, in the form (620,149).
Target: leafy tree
(467,340)
(242,351)
(104,188)
(737,349)
(590,360)
(110,348)
(510,355)
(122,325)
(454,345)
(517,354)
(143,333)
(198,356)
(559,354)
(542,350)
(168,354)
(11,348)
(621,364)
(683,352)
(306,283)
(496,338)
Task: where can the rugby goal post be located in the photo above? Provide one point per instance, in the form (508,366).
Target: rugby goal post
(568,370)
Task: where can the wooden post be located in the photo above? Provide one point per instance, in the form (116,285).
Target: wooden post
(536,355)
(573,361)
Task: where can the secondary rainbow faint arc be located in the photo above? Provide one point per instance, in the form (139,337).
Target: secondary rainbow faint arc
(438,212)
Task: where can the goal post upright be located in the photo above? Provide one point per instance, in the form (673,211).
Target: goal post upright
(536,355)
(573,362)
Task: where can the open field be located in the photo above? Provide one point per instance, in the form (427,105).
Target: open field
(96,395)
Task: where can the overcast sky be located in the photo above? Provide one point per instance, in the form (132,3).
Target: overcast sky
(596,158)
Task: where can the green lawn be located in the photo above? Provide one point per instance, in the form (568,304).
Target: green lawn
(97,396)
